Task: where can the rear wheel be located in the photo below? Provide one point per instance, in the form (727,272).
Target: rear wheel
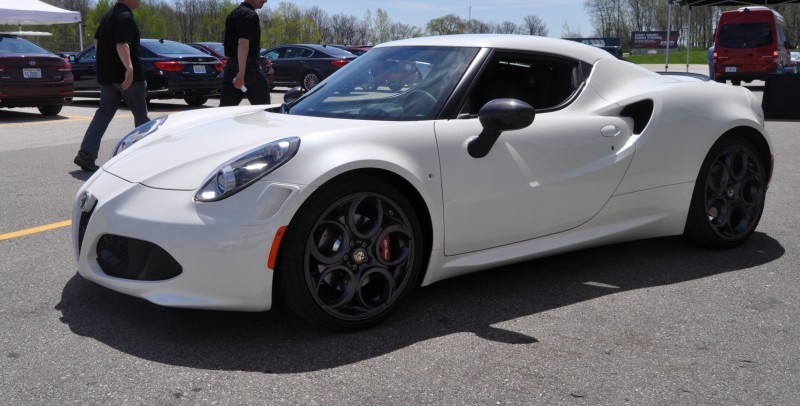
(196,100)
(50,110)
(729,195)
(310,79)
(351,255)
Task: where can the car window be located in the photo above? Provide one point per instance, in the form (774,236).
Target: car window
(542,81)
(169,48)
(20,46)
(90,53)
(272,53)
(745,35)
(201,49)
(389,83)
(338,52)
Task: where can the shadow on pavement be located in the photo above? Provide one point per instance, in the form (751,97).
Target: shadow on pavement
(278,342)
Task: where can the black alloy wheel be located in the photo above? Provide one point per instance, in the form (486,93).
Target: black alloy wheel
(729,195)
(351,256)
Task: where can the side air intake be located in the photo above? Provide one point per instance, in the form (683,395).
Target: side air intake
(640,112)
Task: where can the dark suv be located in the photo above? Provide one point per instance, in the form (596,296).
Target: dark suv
(31,76)
(173,70)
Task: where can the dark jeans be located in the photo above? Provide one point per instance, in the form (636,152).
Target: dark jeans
(254,80)
(111,96)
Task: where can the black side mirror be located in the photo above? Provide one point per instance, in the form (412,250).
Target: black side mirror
(293,94)
(71,58)
(497,116)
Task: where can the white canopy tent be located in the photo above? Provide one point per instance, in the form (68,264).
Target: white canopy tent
(30,12)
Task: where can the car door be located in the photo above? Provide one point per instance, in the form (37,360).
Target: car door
(280,65)
(292,61)
(549,177)
(84,70)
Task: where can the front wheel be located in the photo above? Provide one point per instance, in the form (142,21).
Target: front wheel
(729,195)
(351,255)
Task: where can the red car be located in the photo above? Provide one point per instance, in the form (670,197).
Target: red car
(218,50)
(31,76)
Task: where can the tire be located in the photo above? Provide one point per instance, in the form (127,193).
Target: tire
(729,195)
(310,79)
(351,255)
(196,100)
(50,110)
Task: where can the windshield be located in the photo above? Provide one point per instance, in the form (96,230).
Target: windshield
(393,83)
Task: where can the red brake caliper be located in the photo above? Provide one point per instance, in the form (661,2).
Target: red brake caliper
(386,250)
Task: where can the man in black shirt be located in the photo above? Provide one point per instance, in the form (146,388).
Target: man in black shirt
(243,74)
(119,73)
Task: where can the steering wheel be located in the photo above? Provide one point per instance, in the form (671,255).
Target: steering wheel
(418,102)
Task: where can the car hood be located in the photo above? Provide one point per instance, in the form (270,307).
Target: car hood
(190,146)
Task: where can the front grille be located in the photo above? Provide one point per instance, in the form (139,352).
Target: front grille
(129,258)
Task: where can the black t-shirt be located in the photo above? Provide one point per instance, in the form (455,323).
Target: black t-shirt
(242,22)
(117,26)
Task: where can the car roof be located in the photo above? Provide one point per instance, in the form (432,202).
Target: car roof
(555,46)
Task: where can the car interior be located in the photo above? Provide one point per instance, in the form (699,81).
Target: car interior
(543,82)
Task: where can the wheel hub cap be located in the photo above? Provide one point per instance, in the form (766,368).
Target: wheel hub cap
(360,256)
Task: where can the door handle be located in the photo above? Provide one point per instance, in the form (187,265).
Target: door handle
(610,131)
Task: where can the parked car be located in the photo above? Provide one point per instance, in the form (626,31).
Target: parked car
(218,50)
(173,70)
(31,76)
(511,147)
(305,64)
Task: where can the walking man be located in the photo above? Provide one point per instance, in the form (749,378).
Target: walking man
(243,75)
(119,73)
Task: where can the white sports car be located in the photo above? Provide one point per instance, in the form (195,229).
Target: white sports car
(343,200)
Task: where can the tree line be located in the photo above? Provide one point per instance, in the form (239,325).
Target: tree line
(618,18)
(204,20)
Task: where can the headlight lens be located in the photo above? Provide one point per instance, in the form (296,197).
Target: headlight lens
(239,173)
(137,134)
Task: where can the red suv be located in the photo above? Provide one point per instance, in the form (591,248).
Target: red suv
(31,76)
(749,44)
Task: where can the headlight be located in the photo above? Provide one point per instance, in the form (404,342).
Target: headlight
(137,134)
(239,173)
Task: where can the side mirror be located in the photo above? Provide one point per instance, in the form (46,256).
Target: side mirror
(292,94)
(497,116)
(71,58)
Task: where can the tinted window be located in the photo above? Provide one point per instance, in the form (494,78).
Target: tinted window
(19,46)
(169,47)
(745,35)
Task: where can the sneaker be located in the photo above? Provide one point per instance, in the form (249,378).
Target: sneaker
(85,161)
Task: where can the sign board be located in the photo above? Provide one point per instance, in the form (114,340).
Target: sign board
(653,39)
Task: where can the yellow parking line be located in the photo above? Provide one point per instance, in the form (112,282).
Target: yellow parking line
(35,230)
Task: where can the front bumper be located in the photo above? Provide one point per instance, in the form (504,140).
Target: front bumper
(221,248)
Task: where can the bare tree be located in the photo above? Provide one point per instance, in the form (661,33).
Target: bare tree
(533,25)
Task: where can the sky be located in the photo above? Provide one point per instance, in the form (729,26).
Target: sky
(554,13)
